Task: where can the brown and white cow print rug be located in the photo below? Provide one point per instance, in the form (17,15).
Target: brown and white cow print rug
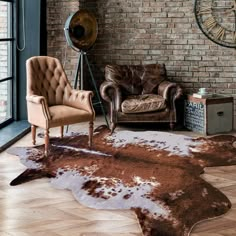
(155,174)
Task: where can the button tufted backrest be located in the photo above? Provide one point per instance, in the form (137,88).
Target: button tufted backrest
(136,79)
(46,77)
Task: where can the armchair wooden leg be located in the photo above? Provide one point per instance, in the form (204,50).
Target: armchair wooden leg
(62,131)
(33,133)
(172,126)
(46,138)
(90,134)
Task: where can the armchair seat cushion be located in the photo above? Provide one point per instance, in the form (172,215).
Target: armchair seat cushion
(143,103)
(61,114)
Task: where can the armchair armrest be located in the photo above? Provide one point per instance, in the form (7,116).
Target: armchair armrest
(39,104)
(111,93)
(81,99)
(170,92)
(168,89)
(35,99)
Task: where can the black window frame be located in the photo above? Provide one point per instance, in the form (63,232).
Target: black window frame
(12,63)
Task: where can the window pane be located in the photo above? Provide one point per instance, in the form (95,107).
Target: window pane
(5,60)
(5,29)
(5,100)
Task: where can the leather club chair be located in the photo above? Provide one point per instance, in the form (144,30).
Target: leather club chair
(140,93)
(51,101)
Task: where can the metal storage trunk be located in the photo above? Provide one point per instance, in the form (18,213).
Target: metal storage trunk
(209,115)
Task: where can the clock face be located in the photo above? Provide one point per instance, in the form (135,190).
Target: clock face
(217,20)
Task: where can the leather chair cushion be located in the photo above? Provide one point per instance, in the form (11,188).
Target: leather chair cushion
(143,103)
(65,115)
(153,75)
(127,77)
(136,79)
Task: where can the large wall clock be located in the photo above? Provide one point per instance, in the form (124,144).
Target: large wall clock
(217,20)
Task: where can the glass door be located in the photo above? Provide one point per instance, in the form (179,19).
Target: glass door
(6,61)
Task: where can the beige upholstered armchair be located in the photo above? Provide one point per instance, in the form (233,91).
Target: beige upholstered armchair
(51,101)
(140,93)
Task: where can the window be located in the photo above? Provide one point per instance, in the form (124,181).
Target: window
(6,61)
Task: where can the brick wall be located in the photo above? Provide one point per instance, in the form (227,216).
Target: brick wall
(147,31)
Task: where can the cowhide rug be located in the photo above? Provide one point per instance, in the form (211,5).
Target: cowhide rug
(155,174)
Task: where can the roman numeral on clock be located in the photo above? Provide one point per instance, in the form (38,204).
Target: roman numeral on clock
(220,33)
(210,23)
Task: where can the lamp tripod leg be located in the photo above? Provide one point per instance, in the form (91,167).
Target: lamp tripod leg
(81,71)
(96,91)
(76,79)
(77,72)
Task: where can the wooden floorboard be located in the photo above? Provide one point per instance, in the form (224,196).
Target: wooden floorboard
(37,209)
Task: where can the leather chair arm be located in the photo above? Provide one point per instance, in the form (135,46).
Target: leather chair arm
(35,99)
(81,99)
(167,88)
(39,103)
(170,92)
(111,93)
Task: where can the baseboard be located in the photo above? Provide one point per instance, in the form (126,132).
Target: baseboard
(13,132)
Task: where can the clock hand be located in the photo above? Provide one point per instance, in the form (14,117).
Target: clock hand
(235,14)
(220,8)
(228,9)
(233,8)
(235,19)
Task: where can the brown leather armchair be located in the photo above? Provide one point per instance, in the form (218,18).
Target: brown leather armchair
(51,101)
(140,93)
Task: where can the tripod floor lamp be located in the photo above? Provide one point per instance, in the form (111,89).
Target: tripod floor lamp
(81,33)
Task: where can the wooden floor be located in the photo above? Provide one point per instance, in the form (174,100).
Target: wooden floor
(37,209)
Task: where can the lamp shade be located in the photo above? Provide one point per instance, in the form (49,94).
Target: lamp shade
(81,30)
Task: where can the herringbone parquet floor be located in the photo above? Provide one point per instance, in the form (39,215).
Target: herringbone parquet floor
(37,209)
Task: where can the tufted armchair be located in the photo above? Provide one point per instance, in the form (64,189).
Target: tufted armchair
(140,93)
(51,101)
